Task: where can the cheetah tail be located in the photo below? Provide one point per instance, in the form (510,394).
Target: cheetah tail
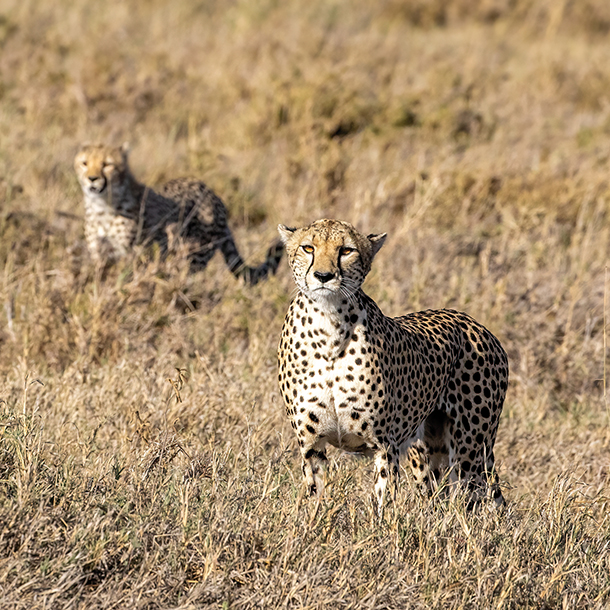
(253,275)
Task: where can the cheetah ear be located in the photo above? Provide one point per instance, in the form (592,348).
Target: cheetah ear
(285,233)
(377,241)
(124,148)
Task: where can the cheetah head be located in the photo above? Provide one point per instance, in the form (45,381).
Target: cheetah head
(101,169)
(329,258)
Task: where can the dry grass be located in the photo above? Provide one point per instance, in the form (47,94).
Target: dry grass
(145,461)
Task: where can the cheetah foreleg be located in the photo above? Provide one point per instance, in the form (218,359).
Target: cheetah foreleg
(314,463)
(382,474)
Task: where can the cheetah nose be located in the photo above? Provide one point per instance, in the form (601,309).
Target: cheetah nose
(92,178)
(323,276)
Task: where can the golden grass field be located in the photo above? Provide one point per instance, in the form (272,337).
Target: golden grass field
(145,458)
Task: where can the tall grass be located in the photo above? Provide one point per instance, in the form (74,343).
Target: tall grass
(145,460)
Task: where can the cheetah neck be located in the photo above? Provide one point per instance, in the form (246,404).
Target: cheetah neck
(123,199)
(333,325)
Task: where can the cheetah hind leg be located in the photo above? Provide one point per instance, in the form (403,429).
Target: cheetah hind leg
(494,492)
(430,470)
(429,457)
(437,443)
(418,455)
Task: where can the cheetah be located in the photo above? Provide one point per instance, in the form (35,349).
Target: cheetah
(121,212)
(430,384)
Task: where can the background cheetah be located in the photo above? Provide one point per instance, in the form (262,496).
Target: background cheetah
(120,212)
(433,382)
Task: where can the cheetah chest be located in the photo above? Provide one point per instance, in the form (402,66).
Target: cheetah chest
(331,379)
(106,227)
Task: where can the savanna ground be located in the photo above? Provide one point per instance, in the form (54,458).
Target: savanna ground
(145,459)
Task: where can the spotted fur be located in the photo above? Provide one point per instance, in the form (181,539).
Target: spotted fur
(121,212)
(430,384)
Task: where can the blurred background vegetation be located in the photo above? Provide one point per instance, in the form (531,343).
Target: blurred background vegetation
(477,134)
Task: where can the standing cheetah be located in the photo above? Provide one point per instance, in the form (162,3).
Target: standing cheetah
(431,383)
(121,212)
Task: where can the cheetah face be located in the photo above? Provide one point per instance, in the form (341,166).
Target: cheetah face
(330,258)
(99,167)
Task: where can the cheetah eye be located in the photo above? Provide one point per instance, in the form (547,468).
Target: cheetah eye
(84,163)
(308,249)
(345,251)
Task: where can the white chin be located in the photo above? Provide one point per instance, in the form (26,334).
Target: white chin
(323,293)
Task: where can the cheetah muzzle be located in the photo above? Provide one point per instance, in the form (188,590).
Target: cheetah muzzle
(429,384)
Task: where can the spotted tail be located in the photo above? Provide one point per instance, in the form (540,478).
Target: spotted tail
(252,275)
